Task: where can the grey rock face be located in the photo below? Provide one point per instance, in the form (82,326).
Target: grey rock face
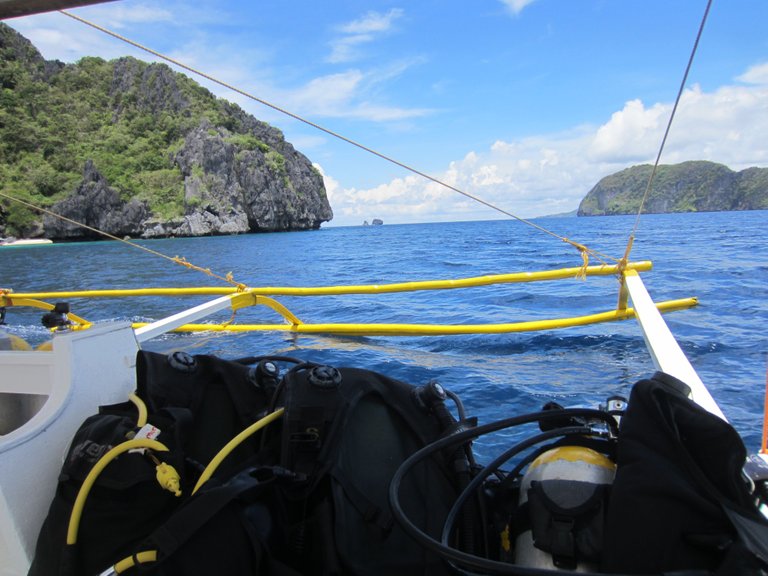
(248,186)
(237,174)
(153,87)
(97,205)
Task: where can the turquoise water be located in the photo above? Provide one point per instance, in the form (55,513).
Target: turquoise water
(719,257)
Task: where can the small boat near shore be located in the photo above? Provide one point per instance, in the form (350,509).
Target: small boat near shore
(25,242)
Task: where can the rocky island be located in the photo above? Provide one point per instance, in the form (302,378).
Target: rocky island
(136,149)
(696,186)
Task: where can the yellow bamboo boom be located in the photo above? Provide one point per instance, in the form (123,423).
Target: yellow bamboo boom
(434,329)
(518,277)
(249,299)
(257,296)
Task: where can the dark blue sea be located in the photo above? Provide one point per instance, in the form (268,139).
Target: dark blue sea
(721,258)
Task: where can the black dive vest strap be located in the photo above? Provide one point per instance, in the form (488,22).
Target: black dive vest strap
(371,513)
(194,516)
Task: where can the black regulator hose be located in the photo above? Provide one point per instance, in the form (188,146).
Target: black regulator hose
(460,464)
(457,556)
(472,487)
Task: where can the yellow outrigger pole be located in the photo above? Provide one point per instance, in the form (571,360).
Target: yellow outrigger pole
(243,298)
(432,329)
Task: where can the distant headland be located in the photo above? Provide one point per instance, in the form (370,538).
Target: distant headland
(696,186)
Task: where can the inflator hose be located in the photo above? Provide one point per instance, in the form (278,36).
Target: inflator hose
(141,419)
(234,443)
(90,479)
(147,556)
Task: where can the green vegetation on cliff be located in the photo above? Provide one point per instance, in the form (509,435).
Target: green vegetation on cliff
(131,120)
(686,187)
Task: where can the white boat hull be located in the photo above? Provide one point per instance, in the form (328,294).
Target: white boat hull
(85,370)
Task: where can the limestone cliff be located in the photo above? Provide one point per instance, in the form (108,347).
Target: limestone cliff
(137,149)
(687,187)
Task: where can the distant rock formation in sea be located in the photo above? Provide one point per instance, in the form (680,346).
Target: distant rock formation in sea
(137,149)
(696,186)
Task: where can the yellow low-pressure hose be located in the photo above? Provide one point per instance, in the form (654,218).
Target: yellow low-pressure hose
(82,495)
(131,561)
(234,443)
(141,407)
(151,555)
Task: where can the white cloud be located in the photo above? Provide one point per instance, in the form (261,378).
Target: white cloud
(551,173)
(517,6)
(372,22)
(328,93)
(630,134)
(757,74)
(361,31)
(349,94)
(345,95)
(121,15)
(58,37)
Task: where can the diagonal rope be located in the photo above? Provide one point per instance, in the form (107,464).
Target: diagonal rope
(648,186)
(583,250)
(175,259)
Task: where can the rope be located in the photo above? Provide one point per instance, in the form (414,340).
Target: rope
(666,131)
(581,248)
(175,259)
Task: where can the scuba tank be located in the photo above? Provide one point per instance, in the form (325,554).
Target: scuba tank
(564,491)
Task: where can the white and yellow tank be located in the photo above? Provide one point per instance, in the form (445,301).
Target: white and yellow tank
(575,463)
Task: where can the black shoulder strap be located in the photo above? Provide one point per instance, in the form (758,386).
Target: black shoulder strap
(200,509)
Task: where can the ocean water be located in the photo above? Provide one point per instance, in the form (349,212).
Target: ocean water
(721,258)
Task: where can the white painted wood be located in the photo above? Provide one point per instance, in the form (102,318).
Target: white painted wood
(188,316)
(665,351)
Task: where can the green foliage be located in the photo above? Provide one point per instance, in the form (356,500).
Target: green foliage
(46,180)
(19,219)
(276,163)
(164,189)
(247,142)
(129,117)
(686,187)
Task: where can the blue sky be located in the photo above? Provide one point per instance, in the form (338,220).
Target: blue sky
(524,103)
